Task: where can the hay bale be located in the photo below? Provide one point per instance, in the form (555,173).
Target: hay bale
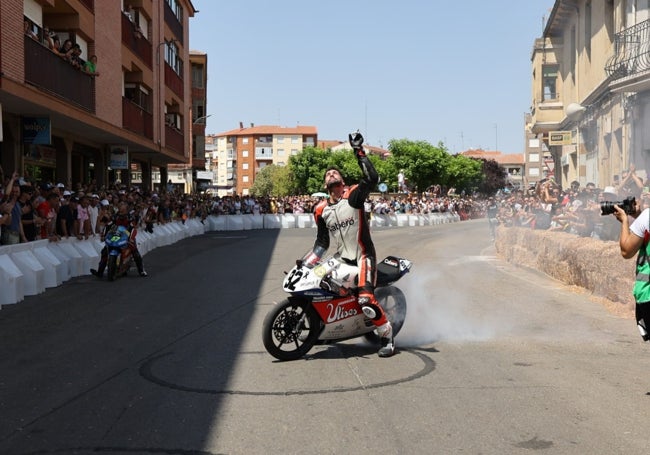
(594,265)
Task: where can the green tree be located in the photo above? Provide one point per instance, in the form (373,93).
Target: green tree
(307,169)
(464,173)
(273,180)
(423,163)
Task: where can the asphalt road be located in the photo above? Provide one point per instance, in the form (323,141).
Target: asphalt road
(492,360)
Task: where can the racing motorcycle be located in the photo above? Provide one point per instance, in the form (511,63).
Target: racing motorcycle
(120,258)
(323,307)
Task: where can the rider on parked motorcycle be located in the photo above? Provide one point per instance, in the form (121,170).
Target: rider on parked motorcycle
(340,219)
(129,220)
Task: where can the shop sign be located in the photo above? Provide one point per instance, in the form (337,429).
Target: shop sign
(36,130)
(119,157)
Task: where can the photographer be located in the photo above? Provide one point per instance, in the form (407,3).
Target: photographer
(635,238)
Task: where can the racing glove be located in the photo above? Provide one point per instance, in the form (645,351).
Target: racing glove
(356,141)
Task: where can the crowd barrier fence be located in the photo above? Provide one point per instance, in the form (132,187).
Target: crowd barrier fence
(30,268)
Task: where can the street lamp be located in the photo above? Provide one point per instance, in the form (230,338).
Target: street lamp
(203,117)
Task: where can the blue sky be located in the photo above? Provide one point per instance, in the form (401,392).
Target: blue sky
(431,70)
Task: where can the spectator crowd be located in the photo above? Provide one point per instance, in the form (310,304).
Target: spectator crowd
(32,210)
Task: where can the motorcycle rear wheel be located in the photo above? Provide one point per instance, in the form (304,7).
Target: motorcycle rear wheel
(393,301)
(112,268)
(290,329)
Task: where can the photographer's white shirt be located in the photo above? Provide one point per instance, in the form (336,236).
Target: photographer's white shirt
(641,225)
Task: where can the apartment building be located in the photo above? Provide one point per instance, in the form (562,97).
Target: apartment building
(590,89)
(192,175)
(62,124)
(243,152)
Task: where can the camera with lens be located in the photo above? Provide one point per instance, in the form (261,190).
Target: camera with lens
(628,205)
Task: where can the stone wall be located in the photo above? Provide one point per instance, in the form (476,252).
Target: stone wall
(594,265)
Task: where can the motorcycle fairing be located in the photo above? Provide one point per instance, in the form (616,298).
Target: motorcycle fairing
(342,318)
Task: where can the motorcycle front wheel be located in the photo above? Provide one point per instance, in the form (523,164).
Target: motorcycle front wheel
(393,301)
(290,329)
(112,267)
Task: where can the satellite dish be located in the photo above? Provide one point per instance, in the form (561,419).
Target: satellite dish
(575,111)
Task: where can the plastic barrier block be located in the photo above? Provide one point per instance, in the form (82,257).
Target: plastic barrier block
(75,261)
(257,221)
(288,221)
(306,220)
(32,270)
(11,281)
(89,257)
(55,270)
(235,223)
(272,221)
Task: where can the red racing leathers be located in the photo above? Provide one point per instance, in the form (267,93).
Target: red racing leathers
(344,225)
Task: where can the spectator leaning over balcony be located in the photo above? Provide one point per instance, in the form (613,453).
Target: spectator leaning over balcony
(29,30)
(75,58)
(91,66)
(66,49)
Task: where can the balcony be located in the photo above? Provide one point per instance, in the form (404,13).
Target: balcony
(52,74)
(174,139)
(173,80)
(136,119)
(137,43)
(263,153)
(631,52)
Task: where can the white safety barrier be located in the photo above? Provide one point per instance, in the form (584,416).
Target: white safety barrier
(30,268)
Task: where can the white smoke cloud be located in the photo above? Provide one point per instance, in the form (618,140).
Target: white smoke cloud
(438,311)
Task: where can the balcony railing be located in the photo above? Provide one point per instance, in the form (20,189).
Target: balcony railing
(174,139)
(264,154)
(631,51)
(136,42)
(52,74)
(173,80)
(136,119)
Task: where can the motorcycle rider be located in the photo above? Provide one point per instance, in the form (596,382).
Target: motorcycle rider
(129,220)
(340,219)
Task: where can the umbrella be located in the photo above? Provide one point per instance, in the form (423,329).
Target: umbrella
(319,194)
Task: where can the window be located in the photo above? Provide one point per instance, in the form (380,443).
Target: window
(280,152)
(533,143)
(295,139)
(139,95)
(172,57)
(294,151)
(244,166)
(197,76)
(244,153)
(244,179)
(244,140)
(533,171)
(280,139)
(199,113)
(549,82)
(533,158)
